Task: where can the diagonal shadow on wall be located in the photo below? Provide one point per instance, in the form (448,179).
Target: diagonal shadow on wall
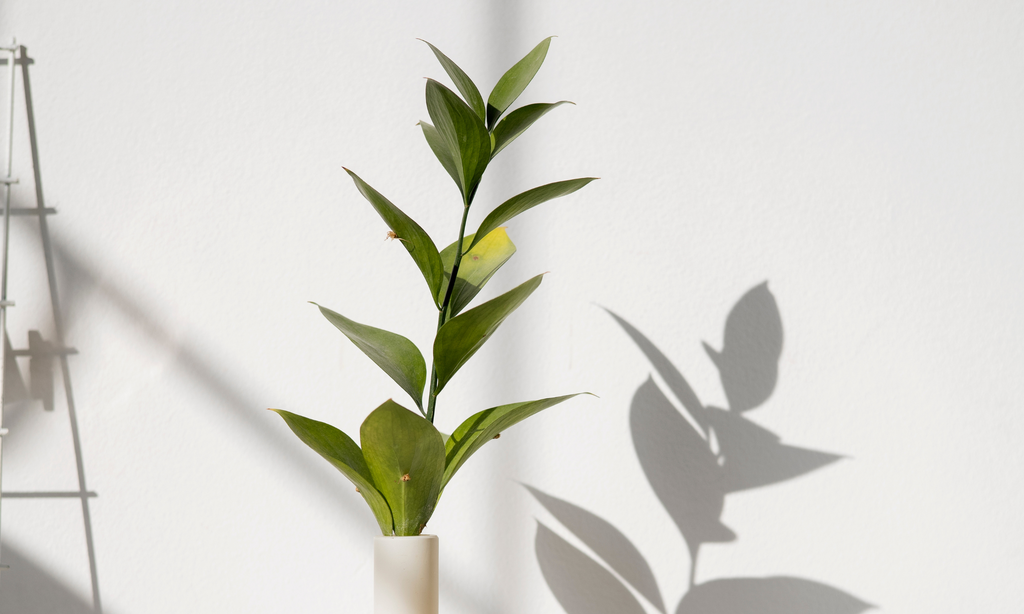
(79,276)
(692,463)
(29,589)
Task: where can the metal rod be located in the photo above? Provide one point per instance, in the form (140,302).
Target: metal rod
(7,226)
(58,322)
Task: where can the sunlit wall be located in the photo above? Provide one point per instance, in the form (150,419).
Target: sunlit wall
(828,196)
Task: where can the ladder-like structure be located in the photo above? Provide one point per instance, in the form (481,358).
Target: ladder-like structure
(41,353)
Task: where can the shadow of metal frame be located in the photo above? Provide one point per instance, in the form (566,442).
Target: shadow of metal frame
(18,55)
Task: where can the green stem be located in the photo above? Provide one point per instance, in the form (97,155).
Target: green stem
(442,317)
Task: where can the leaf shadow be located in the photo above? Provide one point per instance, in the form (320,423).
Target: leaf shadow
(693,457)
(680,467)
(604,540)
(771,595)
(748,364)
(580,584)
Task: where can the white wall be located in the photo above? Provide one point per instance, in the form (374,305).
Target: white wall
(863,158)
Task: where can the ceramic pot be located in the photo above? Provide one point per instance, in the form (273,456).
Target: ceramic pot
(405,575)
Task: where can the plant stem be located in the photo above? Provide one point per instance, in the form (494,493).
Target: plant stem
(442,317)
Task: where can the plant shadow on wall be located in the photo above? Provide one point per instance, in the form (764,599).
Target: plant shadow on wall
(692,463)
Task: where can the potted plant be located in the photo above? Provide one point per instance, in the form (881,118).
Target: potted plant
(404,462)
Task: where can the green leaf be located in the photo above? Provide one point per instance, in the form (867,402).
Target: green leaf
(448,261)
(527,200)
(415,239)
(396,355)
(514,81)
(518,121)
(339,450)
(476,268)
(464,134)
(482,427)
(460,338)
(440,149)
(462,81)
(405,456)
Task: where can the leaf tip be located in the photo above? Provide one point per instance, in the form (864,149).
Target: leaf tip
(712,353)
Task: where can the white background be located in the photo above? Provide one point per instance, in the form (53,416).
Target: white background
(866,159)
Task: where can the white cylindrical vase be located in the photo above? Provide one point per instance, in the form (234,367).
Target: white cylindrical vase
(405,575)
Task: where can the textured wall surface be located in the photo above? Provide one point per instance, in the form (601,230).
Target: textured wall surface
(830,196)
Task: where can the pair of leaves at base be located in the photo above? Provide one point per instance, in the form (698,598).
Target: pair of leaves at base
(398,469)
(404,462)
(456,341)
